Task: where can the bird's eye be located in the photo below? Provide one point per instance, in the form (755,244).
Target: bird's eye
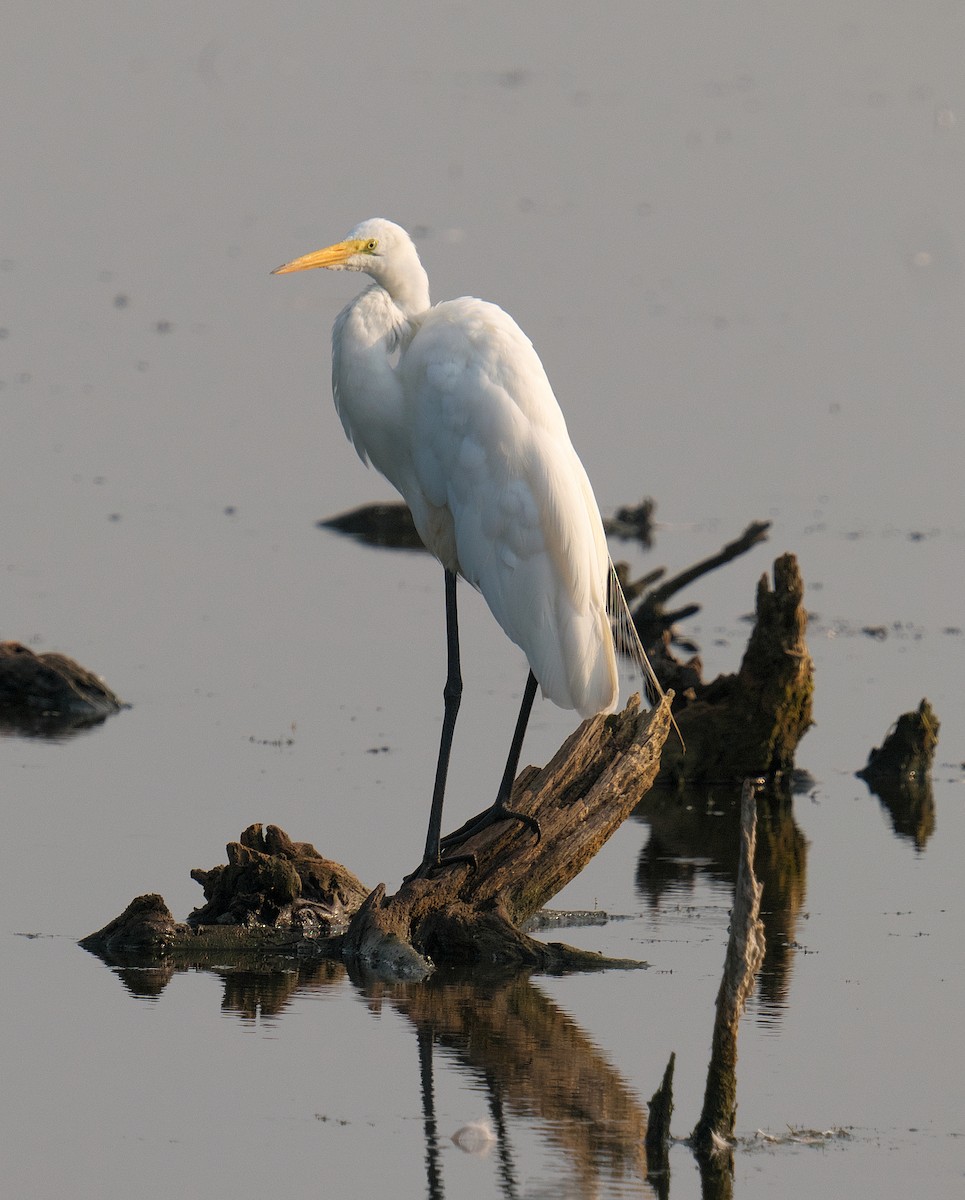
(371,246)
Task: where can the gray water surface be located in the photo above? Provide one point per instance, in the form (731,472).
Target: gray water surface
(735,237)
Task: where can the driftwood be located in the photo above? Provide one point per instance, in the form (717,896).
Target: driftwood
(387,525)
(276,896)
(280,896)
(651,616)
(633,522)
(50,695)
(271,880)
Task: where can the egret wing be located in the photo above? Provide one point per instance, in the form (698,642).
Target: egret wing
(491,452)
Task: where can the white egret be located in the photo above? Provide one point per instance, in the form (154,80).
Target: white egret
(452,405)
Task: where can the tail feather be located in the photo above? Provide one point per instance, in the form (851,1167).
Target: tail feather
(628,643)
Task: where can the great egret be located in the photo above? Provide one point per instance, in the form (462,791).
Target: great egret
(452,405)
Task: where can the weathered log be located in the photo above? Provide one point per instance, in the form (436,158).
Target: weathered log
(146,927)
(633,522)
(50,695)
(461,915)
(749,723)
(651,617)
(387,525)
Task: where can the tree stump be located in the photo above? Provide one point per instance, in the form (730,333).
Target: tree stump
(749,723)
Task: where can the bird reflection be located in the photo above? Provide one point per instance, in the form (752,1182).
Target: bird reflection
(534,1063)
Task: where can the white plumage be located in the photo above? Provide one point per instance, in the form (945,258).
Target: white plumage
(452,405)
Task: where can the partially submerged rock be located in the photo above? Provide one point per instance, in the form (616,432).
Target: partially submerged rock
(49,694)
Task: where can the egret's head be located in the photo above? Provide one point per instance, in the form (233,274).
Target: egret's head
(370,247)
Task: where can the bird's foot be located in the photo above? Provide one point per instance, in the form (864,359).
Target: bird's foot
(431,866)
(498,812)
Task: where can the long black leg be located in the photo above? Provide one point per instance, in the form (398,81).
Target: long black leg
(500,810)
(516,747)
(452,695)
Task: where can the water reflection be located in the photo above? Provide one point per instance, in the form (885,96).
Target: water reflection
(535,1063)
(693,832)
(531,1060)
(910,804)
(51,727)
(253,987)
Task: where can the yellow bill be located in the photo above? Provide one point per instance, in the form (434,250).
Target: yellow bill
(332,257)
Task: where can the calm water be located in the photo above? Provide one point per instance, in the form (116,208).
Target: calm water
(736,240)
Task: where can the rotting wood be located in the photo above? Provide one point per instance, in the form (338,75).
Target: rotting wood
(650,615)
(461,916)
(271,880)
(749,723)
(280,896)
(388,525)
